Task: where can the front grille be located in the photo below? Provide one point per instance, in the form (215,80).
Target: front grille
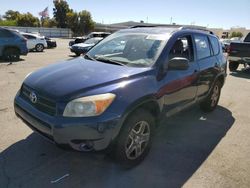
(43,103)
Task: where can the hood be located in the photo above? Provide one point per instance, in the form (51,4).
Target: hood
(83,45)
(76,76)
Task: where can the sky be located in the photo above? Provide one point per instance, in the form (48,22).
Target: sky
(214,14)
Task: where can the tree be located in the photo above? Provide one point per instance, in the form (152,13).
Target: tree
(47,22)
(86,24)
(27,20)
(60,13)
(236,34)
(72,20)
(11,15)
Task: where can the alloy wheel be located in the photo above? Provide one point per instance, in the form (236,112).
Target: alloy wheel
(215,95)
(138,140)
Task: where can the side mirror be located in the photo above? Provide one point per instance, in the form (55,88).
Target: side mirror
(178,63)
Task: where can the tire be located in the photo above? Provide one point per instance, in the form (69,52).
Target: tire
(39,47)
(77,54)
(233,66)
(11,54)
(211,101)
(134,140)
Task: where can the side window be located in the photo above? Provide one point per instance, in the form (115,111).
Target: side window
(247,39)
(182,47)
(202,46)
(215,45)
(5,34)
(29,37)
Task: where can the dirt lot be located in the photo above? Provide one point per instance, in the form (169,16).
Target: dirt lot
(191,149)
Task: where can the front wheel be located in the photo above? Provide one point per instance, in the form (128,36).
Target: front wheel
(211,101)
(39,47)
(135,138)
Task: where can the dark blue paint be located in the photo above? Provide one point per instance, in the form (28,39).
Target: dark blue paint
(133,86)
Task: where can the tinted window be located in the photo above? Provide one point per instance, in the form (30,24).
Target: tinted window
(29,37)
(215,45)
(202,46)
(5,33)
(182,47)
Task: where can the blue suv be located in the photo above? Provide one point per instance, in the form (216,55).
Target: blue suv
(114,95)
(12,45)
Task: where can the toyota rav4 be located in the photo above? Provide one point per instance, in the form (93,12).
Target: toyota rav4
(114,95)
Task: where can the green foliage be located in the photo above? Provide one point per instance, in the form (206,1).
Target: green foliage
(47,22)
(86,23)
(72,21)
(60,13)
(79,23)
(28,20)
(11,15)
(236,34)
(8,23)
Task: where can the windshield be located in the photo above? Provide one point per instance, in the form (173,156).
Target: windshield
(92,40)
(131,49)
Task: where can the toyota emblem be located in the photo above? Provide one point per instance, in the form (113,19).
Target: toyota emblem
(33,97)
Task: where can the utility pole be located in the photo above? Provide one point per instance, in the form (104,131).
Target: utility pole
(171,20)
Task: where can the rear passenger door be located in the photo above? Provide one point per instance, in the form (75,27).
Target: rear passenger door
(207,62)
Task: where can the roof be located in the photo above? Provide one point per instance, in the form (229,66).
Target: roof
(163,30)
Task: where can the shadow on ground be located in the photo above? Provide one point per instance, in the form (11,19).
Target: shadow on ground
(10,62)
(182,143)
(244,73)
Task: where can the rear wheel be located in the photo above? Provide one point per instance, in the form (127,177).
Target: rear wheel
(211,101)
(135,138)
(39,47)
(11,54)
(233,66)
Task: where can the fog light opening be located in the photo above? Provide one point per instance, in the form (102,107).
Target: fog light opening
(86,146)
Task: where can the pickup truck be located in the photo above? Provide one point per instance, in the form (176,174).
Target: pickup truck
(239,53)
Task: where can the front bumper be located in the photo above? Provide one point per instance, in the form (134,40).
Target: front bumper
(78,50)
(51,44)
(69,131)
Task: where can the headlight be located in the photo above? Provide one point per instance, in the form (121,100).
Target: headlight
(88,106)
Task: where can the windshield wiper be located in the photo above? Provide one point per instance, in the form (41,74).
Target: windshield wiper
(86,56)
(107,60)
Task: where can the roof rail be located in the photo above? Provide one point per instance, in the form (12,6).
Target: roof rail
(138,26)
(196,28)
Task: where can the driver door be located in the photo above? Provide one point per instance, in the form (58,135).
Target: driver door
(179,86)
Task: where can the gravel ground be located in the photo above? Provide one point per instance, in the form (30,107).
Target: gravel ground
(190,149)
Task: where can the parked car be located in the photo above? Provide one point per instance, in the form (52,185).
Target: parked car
(225,44)
(91,35)
(239,53)
(82,48)
(35,42)
(12,45)
(114,99)
(50,42)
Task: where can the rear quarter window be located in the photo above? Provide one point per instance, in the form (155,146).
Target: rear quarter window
(202,46)
(6,34)
(215,45)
